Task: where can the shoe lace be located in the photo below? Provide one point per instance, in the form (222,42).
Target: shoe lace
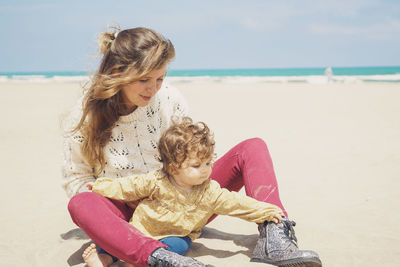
(289,230)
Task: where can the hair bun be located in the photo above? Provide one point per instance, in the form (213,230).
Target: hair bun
(106,38)
(104,41)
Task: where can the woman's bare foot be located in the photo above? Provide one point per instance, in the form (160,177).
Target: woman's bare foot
(93,259)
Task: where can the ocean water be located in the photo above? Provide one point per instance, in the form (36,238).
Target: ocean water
(284,75)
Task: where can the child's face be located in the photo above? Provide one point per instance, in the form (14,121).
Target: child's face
(193,172)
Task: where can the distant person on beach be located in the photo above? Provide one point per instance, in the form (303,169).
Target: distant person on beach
(178,201)
(113,132)
(328,74)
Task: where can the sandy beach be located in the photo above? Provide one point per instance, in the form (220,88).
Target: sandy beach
(335,147)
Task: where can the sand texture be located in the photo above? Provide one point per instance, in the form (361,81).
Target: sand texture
(335,147)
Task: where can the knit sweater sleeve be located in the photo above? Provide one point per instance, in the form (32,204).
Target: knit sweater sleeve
(76,172)
(234,204)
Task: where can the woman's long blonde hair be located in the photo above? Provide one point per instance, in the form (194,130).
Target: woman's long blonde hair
(128,55)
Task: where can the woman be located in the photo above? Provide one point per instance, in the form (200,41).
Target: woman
(115,130)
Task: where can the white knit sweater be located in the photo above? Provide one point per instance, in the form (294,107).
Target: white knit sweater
(133,144)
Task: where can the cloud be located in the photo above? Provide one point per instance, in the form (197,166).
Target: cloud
(340,8)
(388,30)
(265,16)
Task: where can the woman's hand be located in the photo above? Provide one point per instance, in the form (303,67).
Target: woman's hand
(89,186)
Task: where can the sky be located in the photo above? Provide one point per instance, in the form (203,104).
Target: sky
(51,35)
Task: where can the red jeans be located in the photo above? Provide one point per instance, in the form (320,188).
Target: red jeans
(105,221)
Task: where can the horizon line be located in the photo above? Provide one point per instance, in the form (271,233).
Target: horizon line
(210,69)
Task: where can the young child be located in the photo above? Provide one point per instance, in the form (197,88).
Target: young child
(178,200)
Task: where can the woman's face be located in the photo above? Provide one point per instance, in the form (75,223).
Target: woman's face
(139,93)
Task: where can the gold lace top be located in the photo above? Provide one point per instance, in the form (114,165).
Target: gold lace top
(167,210)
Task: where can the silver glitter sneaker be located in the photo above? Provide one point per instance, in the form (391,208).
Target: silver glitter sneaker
(277,245)
(165,258)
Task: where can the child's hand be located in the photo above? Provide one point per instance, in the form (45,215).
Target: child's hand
(89,186)
(278,217)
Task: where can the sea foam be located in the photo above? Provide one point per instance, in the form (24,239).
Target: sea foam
(311,76)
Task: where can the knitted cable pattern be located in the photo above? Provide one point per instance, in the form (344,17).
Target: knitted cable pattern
(132,148)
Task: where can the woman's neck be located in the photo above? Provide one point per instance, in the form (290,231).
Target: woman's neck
(128,110)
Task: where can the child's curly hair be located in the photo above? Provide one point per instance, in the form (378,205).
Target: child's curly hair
(184,139)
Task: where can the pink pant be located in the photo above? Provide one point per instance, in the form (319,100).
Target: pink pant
(105,221)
